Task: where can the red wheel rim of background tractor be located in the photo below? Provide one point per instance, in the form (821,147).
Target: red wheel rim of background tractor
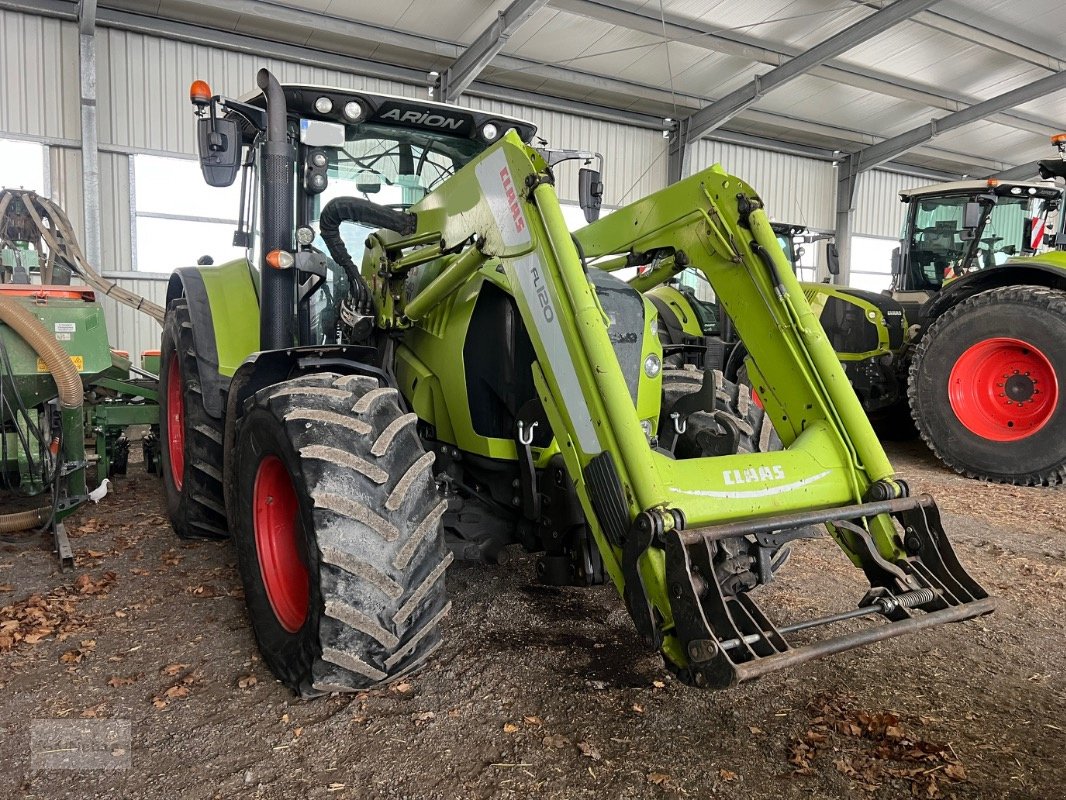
(274,516)
(1003,389)
(175,423)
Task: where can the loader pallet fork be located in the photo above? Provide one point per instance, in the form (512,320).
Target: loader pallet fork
(729,639)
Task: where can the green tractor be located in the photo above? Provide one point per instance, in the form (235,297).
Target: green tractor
(867,331)
(987,373)
(472,382)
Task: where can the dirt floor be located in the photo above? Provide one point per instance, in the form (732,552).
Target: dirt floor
(537,692)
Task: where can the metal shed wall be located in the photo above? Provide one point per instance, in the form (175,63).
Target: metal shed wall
(878,211)
(796,189)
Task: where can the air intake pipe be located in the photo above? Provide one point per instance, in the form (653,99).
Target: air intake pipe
(277,313)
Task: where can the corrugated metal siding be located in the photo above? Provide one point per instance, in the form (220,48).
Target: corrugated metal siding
(143,86)
(128,329)
(878,211)
(795,189)
(39,82)
(634,158)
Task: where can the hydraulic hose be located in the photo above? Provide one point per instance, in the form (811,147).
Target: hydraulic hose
(365,212)
(68,383)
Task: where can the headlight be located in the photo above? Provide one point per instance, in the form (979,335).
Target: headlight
(323,105)
(489,132)
(652,365)
(305,235)
(353,110)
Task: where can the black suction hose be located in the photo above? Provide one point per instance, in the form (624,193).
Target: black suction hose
(364,212)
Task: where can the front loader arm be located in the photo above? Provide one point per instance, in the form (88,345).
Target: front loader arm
(658,521)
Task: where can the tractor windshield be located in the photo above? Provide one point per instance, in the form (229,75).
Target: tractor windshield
(942,248)
(393,167)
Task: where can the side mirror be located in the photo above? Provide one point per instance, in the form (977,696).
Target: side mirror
(832,258)
(220,150)
(971,215)
(897,262)
(590,192)
(367,182)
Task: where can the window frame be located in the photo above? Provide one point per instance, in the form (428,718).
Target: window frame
(135,215)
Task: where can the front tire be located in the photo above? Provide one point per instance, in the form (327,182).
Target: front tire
(988,386)
(191,439)
(338,531)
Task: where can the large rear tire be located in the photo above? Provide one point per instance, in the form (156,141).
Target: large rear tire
(338,531)
(191,439)
(988,386)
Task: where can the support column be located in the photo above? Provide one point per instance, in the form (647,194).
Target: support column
(90,152)
(847,178)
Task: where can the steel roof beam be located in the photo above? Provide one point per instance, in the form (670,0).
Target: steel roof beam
(718,112)
(699,34)
(898,145)
(458,77)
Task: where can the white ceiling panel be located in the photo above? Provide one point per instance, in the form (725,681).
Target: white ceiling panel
(1009,44)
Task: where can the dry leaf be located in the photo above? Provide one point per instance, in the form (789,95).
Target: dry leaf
(534,721)
(589,751)
(658,778)
(638,708)
(403,687)
(117,680)
(296,732)
(93,711)
(756,730)
(556,741)
(72,657)
(955,771)
(510,727)
(246,681)
(172,669)
(727,774)
(658,684)
(176,692)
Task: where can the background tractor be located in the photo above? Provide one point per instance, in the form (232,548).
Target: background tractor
(481,379)
(987,364)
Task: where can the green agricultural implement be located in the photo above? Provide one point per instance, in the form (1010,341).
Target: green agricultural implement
(66,398)
(483,380)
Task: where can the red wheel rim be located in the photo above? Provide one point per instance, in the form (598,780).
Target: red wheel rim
(274,515)
(1003,389)
(175,423)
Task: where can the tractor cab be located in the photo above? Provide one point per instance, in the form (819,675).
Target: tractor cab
(956,229)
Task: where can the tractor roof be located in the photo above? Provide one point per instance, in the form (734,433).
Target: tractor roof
(395,111)
(1044,189)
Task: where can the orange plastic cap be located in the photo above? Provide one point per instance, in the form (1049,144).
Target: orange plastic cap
(1058,138)
(200,93)
(993,181)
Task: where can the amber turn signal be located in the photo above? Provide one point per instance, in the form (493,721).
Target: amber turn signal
(279,259)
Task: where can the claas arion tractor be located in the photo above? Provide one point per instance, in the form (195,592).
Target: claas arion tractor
(480,379)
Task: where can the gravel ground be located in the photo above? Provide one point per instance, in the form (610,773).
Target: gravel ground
(537,691)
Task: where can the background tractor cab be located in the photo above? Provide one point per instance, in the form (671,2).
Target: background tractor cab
(867,330)
(954,230)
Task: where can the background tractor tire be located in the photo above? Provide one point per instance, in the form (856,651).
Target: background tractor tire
(190,438)
(337,524)
(757,433)
(988,386)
